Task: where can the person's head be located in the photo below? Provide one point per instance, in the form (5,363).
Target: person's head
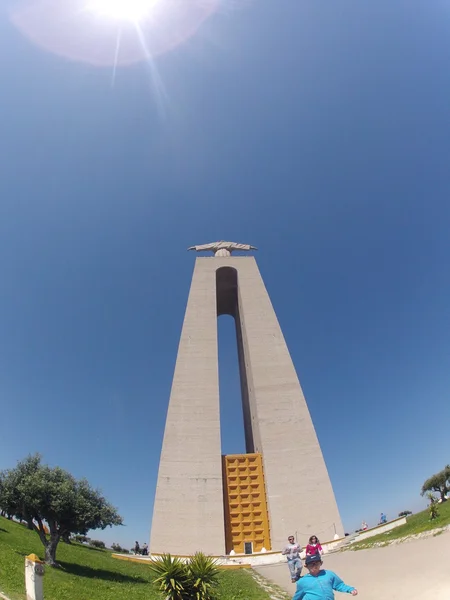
(313,563)
(291,539)
(313,540)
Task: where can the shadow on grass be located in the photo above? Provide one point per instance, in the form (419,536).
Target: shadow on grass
(3,530)
(84,571)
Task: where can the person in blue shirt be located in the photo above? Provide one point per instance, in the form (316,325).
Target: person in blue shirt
(319,583)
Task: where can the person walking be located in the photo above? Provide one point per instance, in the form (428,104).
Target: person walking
(292,553)
(314,546)
(319,584)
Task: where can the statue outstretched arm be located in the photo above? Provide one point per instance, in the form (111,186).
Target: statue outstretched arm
(215,246)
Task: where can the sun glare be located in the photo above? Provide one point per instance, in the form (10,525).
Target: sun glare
(111,32)
(123,10)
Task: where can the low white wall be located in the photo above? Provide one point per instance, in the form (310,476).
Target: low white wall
(262,558)
(379,529)
(256,560)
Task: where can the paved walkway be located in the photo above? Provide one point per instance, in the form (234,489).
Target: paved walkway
(414,570)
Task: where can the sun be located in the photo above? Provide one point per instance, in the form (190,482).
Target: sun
(123,10)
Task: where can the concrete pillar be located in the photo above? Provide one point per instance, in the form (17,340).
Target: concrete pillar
(34,577)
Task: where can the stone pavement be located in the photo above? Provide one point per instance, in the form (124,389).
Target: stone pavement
(413,570)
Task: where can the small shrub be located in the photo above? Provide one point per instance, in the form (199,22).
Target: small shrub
(404,513)
(195,580)
(118,548)
(97,544)
(171,577)
(204,575)
(82,539)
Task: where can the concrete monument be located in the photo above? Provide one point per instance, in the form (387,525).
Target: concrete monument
(249,502)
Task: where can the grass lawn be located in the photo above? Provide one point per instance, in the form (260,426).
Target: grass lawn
(91,574)
(417,523)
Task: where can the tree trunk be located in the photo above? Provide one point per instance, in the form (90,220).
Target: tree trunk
(50,551)
(66,538)
(49,545)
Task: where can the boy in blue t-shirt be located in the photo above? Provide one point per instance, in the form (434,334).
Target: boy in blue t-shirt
(319,583)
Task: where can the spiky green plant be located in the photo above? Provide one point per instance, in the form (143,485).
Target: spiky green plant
(204,575)
(171,577)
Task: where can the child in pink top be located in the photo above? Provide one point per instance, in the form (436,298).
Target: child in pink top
(313,546)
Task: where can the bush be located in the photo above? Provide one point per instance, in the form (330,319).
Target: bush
(97,544)
(118,548)
(203,573)
(82,539)
(171,577)
(404,513)
(195,580)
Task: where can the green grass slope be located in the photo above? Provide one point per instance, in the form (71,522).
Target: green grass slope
(91,574)
(417,523)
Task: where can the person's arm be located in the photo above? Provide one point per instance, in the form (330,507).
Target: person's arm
(319,548)
(340,586)
(299,592)
(285,550)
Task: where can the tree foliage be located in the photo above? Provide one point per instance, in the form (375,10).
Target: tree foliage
(439,482)
(118,548)
(196,579)
(38,493)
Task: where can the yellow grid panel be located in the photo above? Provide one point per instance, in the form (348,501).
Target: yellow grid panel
(246,516)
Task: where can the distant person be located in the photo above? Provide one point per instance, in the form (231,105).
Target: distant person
(145,550)
(319,584)
(383,519)
(137,548)
(364,526)
(292,553)
(313,546)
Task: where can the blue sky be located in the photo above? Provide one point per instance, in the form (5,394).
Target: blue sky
(317,131)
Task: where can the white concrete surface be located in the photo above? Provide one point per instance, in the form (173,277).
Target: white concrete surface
(380,529)
(414,570)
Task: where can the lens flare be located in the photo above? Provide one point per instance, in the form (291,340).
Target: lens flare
(123,10)
(111,32)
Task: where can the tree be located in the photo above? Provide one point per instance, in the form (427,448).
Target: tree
(439,482)
(39,493)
